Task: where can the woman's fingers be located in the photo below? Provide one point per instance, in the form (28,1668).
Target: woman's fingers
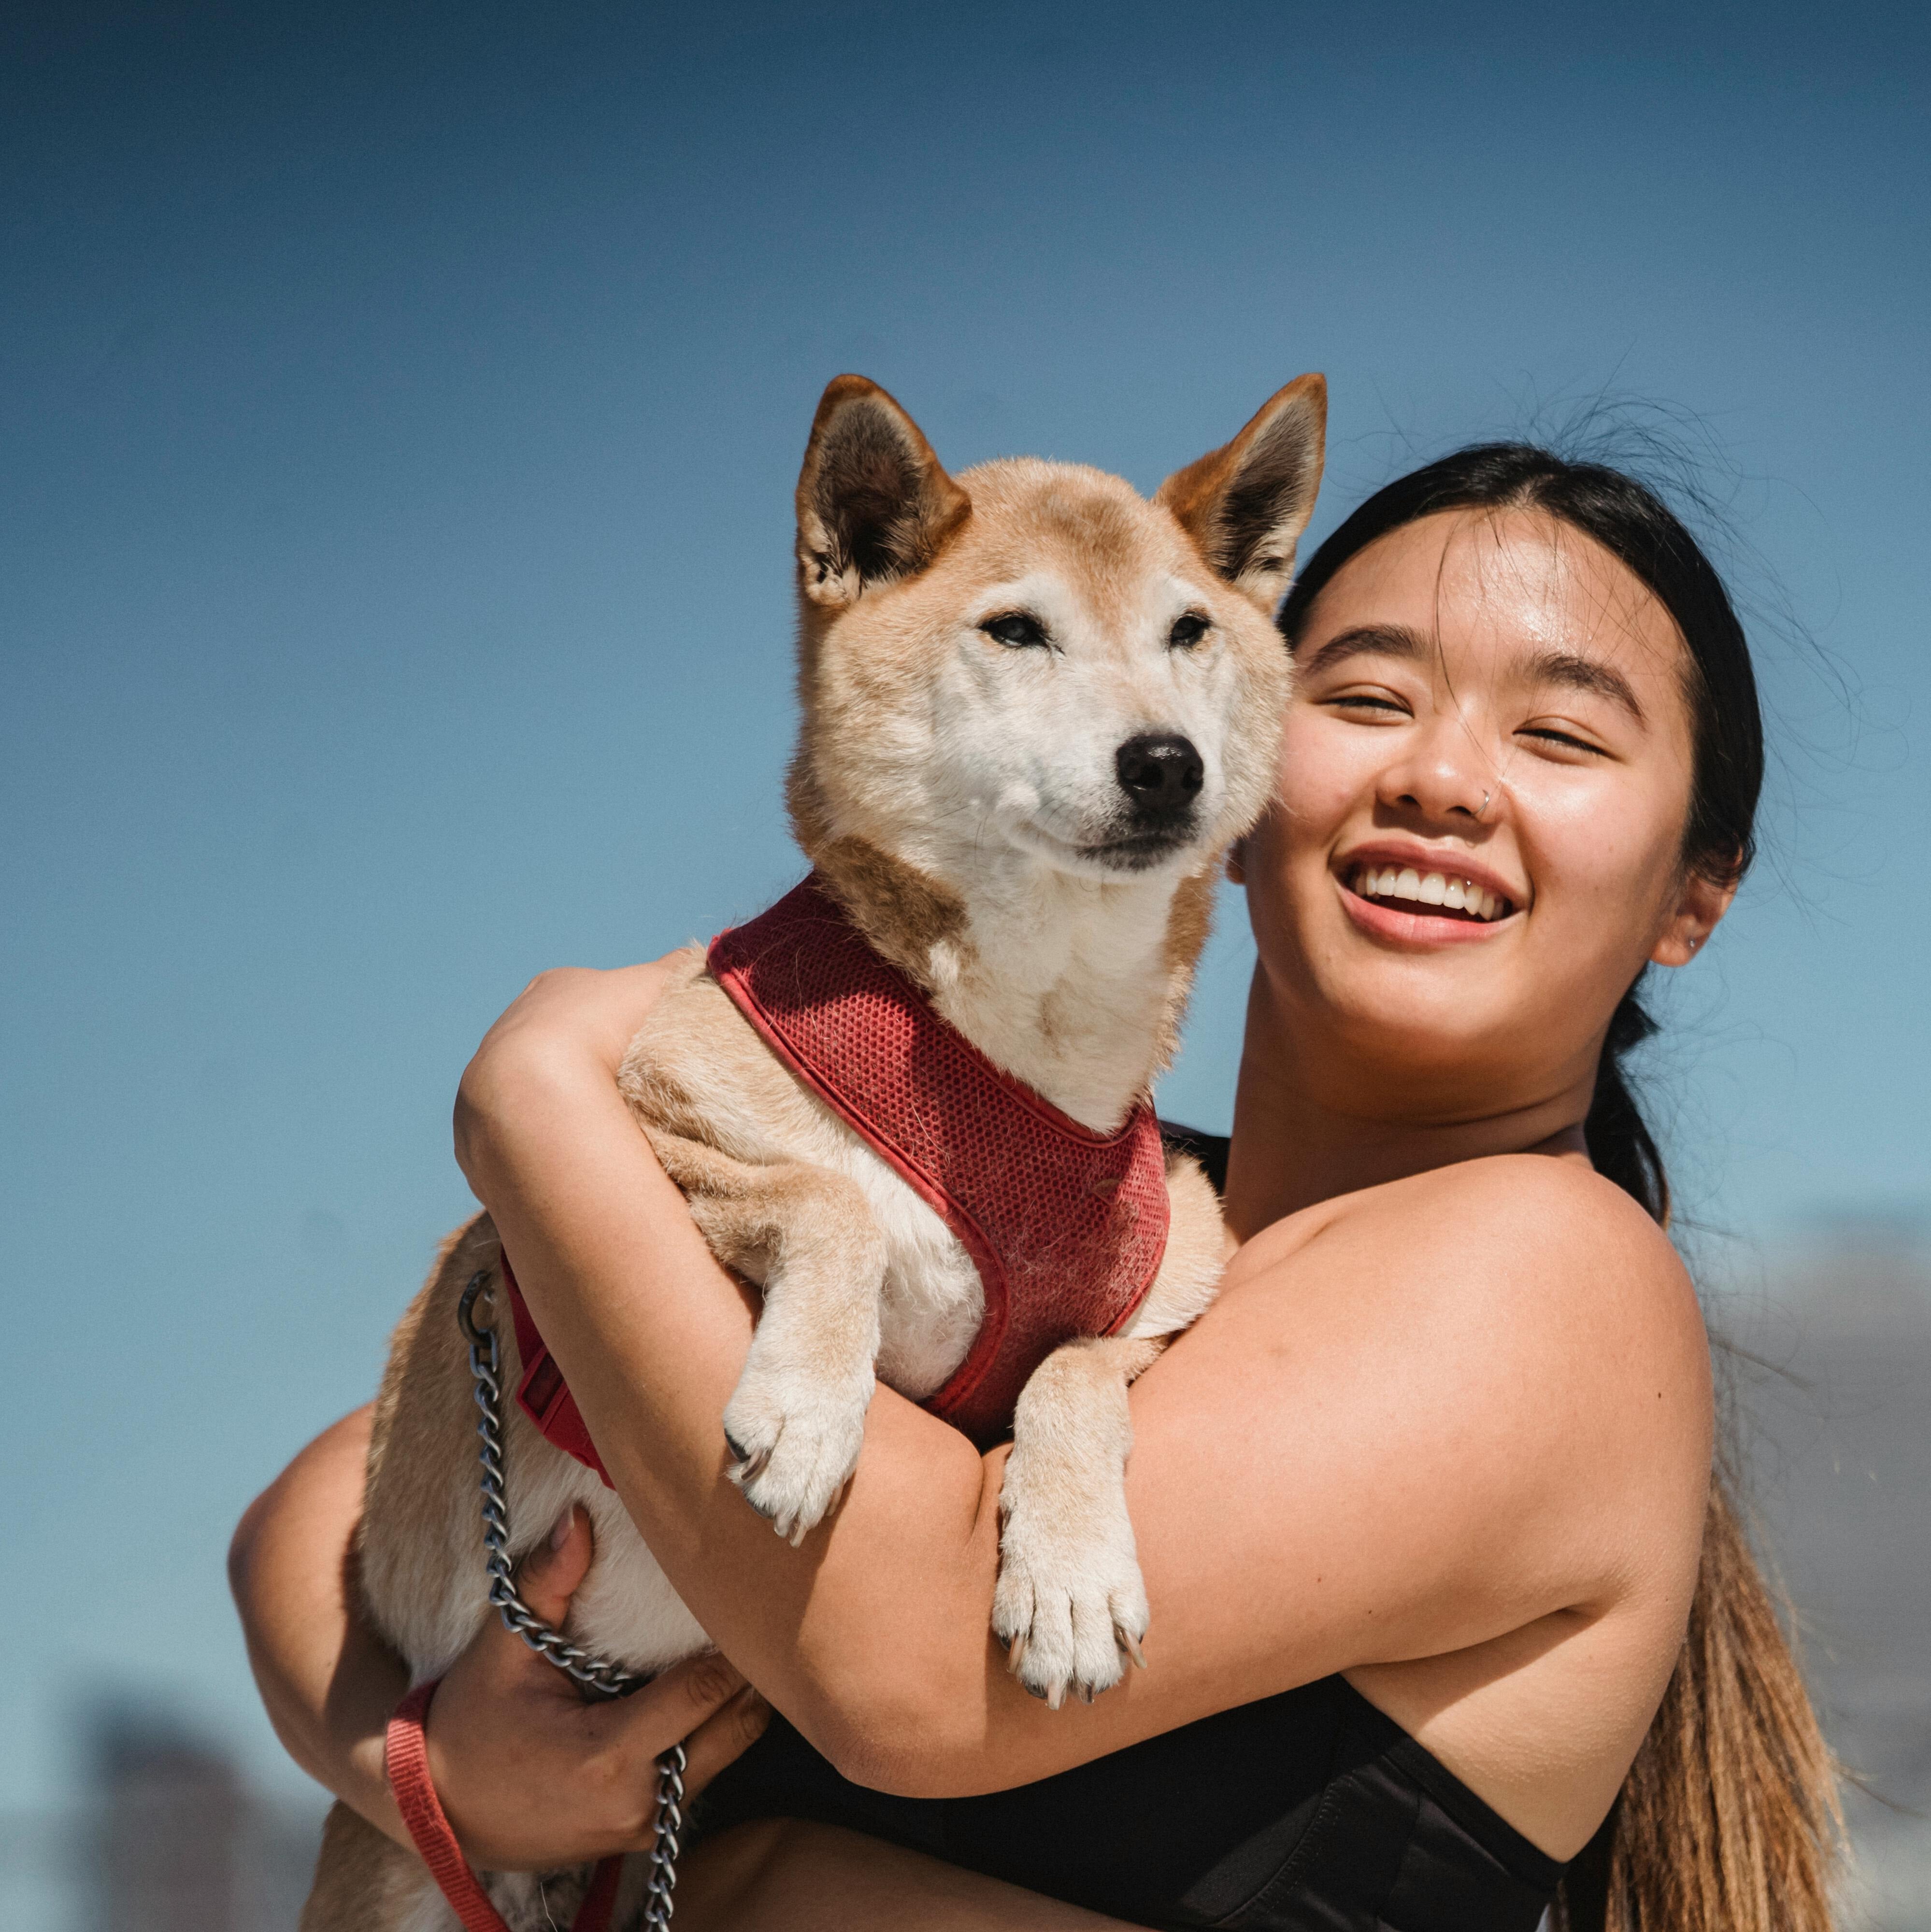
(530,1774)
(726,1734)
(547,1579)
(553,1570)
(675,1703)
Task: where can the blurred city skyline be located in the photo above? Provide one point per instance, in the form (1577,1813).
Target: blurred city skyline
(403,405)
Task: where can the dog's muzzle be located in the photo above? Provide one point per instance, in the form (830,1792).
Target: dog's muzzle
(1159,775)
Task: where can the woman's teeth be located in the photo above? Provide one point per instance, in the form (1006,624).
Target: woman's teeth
(1429,889)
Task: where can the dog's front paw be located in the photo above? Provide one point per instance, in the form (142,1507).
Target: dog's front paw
(797,1439)
(1070,1606)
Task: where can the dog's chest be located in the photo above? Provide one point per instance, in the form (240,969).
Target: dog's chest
(932,1299)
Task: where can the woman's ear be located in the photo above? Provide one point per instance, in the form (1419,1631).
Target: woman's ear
(1701,903)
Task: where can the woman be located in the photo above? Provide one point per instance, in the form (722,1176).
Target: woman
(1425,1503)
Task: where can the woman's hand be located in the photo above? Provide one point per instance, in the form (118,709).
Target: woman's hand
(530,1776)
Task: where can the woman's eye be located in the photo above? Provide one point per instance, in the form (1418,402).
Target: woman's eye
(1018,628)
(1548,734)
(1187,632)
(1377,703)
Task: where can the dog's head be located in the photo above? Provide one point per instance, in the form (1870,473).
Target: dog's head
(1033,660)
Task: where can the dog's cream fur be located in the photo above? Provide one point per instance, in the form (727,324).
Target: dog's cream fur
(959,795)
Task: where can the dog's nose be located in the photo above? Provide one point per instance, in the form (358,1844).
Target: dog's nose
(1160,771)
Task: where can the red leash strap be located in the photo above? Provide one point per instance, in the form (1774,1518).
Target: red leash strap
(405,1761)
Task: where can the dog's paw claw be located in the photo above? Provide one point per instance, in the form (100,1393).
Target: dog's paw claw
(747,1469)
(1070,1606)
(795,1447)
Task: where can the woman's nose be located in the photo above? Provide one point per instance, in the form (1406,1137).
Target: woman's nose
(1444,776)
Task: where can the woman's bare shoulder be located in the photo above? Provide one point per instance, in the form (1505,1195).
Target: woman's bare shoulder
(1556,1239)
(1494,1230)
(1501,1366)
(1563,1306)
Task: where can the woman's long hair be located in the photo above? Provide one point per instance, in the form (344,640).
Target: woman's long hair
(1729,1820)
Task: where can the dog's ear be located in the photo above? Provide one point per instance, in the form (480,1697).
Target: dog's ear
(1246,503)
(874,503)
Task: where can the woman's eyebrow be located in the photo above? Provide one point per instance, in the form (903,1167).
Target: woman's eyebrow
(1381,640)
(1578,673)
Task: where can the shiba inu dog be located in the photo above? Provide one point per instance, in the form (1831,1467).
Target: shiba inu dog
(1036,709)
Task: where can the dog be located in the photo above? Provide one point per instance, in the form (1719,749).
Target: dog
(1036,708)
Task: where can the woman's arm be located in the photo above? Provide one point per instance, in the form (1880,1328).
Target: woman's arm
(531,1778)
(527,1786)
(784,1875)
(1400,1433)
(328,1682)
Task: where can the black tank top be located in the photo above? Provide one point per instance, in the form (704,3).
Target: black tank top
(1311,1811)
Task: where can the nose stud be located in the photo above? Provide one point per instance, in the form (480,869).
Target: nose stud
(1484,806)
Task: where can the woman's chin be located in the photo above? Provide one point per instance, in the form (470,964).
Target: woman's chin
(1422,1016)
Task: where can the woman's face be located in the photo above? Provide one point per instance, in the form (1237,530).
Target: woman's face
(1475,843)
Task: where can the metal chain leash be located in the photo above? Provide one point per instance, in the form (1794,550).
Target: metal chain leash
(658,1904)
(596,1675)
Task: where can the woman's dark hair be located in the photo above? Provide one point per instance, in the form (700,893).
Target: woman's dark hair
(1729,1820)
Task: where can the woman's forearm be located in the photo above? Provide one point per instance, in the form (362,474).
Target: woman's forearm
(329,1684)
(881,1617)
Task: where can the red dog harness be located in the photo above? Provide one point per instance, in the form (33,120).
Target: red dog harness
(1066,1226)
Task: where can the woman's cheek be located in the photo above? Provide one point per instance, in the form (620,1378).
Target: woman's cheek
(1606,849)
(1326,770)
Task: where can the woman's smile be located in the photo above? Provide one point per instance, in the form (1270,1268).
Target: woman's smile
(1413,896)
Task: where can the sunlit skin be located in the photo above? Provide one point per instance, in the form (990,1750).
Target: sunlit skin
(1495,1361)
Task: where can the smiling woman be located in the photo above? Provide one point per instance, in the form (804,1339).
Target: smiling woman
(1548,634)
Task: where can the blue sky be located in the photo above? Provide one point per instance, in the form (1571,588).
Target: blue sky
(402,407)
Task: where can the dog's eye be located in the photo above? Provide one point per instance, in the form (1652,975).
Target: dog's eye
(1187,632)
(1017,628)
